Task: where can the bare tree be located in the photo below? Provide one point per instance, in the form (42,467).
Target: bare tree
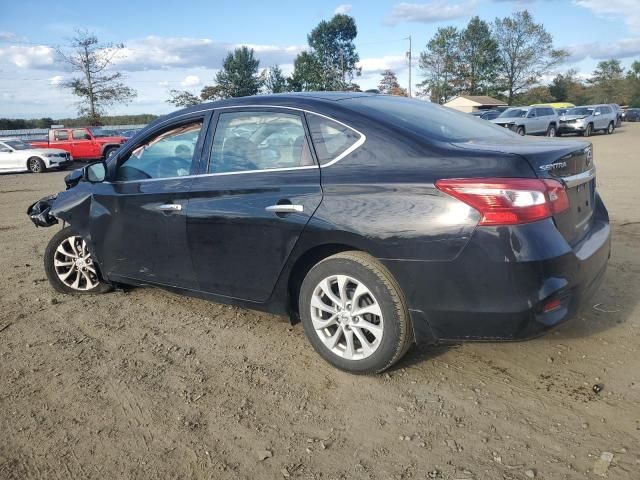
(97,86)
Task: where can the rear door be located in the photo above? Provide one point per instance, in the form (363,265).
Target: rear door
(259,187)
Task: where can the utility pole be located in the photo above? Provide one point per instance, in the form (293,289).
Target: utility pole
(409,57)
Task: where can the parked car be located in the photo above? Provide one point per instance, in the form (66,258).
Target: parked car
(529,120)
(486,114)
(585,120)
(381,221)
(19,156)
(81,143)
(618,111)
(631,115)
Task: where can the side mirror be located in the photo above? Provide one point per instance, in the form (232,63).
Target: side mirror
(597,113)
(5,150)
(95,173)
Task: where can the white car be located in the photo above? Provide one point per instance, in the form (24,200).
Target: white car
(19,156)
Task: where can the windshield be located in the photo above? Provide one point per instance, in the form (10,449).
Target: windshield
(514,113)
(101,132)
(428,119)
(580,111)
(18,144)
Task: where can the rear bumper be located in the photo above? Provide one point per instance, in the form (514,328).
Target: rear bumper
(496,289)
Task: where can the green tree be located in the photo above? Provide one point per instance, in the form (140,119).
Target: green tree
(307,73)
(439,64)
(389,84)
(240,75)
(633,82)
(568,87)
(98,86)
(539,94)
(525,52)
(608,83)
(331,62)
(478,53)
(276,82)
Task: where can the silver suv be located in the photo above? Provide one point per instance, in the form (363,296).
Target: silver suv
(587,119)
(529,120)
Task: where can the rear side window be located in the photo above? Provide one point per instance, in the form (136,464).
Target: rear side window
(61,135)
(330,139)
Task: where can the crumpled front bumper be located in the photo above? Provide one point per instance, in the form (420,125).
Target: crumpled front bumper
(40,212)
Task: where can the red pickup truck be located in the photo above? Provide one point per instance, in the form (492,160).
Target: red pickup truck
(82,143)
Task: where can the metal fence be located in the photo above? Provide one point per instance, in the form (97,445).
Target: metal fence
(42,133)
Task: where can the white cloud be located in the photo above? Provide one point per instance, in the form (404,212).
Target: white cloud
(379,64)
(343,9)
(190,81)
(628,10)
(29,56)
(56,80)
(163,83)
(155,52)
(431,12)
(623,48)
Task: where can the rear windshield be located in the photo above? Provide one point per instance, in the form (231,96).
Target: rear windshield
(580,111)
(428,119)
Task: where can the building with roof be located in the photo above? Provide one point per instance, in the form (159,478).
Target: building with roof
(473,103)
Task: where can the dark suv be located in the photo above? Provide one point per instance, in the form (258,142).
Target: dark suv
(378,221)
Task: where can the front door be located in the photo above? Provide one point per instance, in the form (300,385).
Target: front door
(246,213)
(83,145)
(140,214)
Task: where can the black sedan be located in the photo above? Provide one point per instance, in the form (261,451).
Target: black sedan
(378,221)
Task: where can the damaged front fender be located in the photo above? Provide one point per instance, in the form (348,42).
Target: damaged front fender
(40,212)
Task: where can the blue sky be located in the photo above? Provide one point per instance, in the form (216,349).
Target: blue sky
(181,44)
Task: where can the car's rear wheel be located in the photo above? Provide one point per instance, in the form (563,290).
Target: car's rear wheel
(610,128)
(520,130)
(36,165)
(108,152)
(587,131)
(69,265)
(354,313)
(551,131)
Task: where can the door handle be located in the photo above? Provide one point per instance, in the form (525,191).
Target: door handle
(285,208)
(170,207)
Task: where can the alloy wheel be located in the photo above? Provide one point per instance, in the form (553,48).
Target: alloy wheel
(34,165)
(347,317)
(73,264)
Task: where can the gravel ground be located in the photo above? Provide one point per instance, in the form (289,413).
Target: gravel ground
(147,384)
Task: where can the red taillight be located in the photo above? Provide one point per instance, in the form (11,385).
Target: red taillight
(508,201)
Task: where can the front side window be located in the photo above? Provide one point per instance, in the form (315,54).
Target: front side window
(164,155)
(18,144)
(81,134)
(330,138)
(246,141)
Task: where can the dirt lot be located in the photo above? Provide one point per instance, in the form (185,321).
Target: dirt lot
(146,384)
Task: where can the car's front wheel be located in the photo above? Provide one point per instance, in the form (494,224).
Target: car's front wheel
(520,130)
(610,128)
(69,265)
(551,131)
(36,165)
(354,313)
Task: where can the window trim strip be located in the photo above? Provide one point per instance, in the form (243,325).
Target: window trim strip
(348,151)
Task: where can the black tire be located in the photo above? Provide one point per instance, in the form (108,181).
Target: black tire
(36,165)
(610,128)
(520,131)
(551,131)
(397,331)
(587,131)
(50,256)
(108,151)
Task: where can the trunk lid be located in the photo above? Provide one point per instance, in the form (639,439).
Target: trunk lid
(568,161)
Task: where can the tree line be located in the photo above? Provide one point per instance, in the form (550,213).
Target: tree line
(508,59)
(46,122)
